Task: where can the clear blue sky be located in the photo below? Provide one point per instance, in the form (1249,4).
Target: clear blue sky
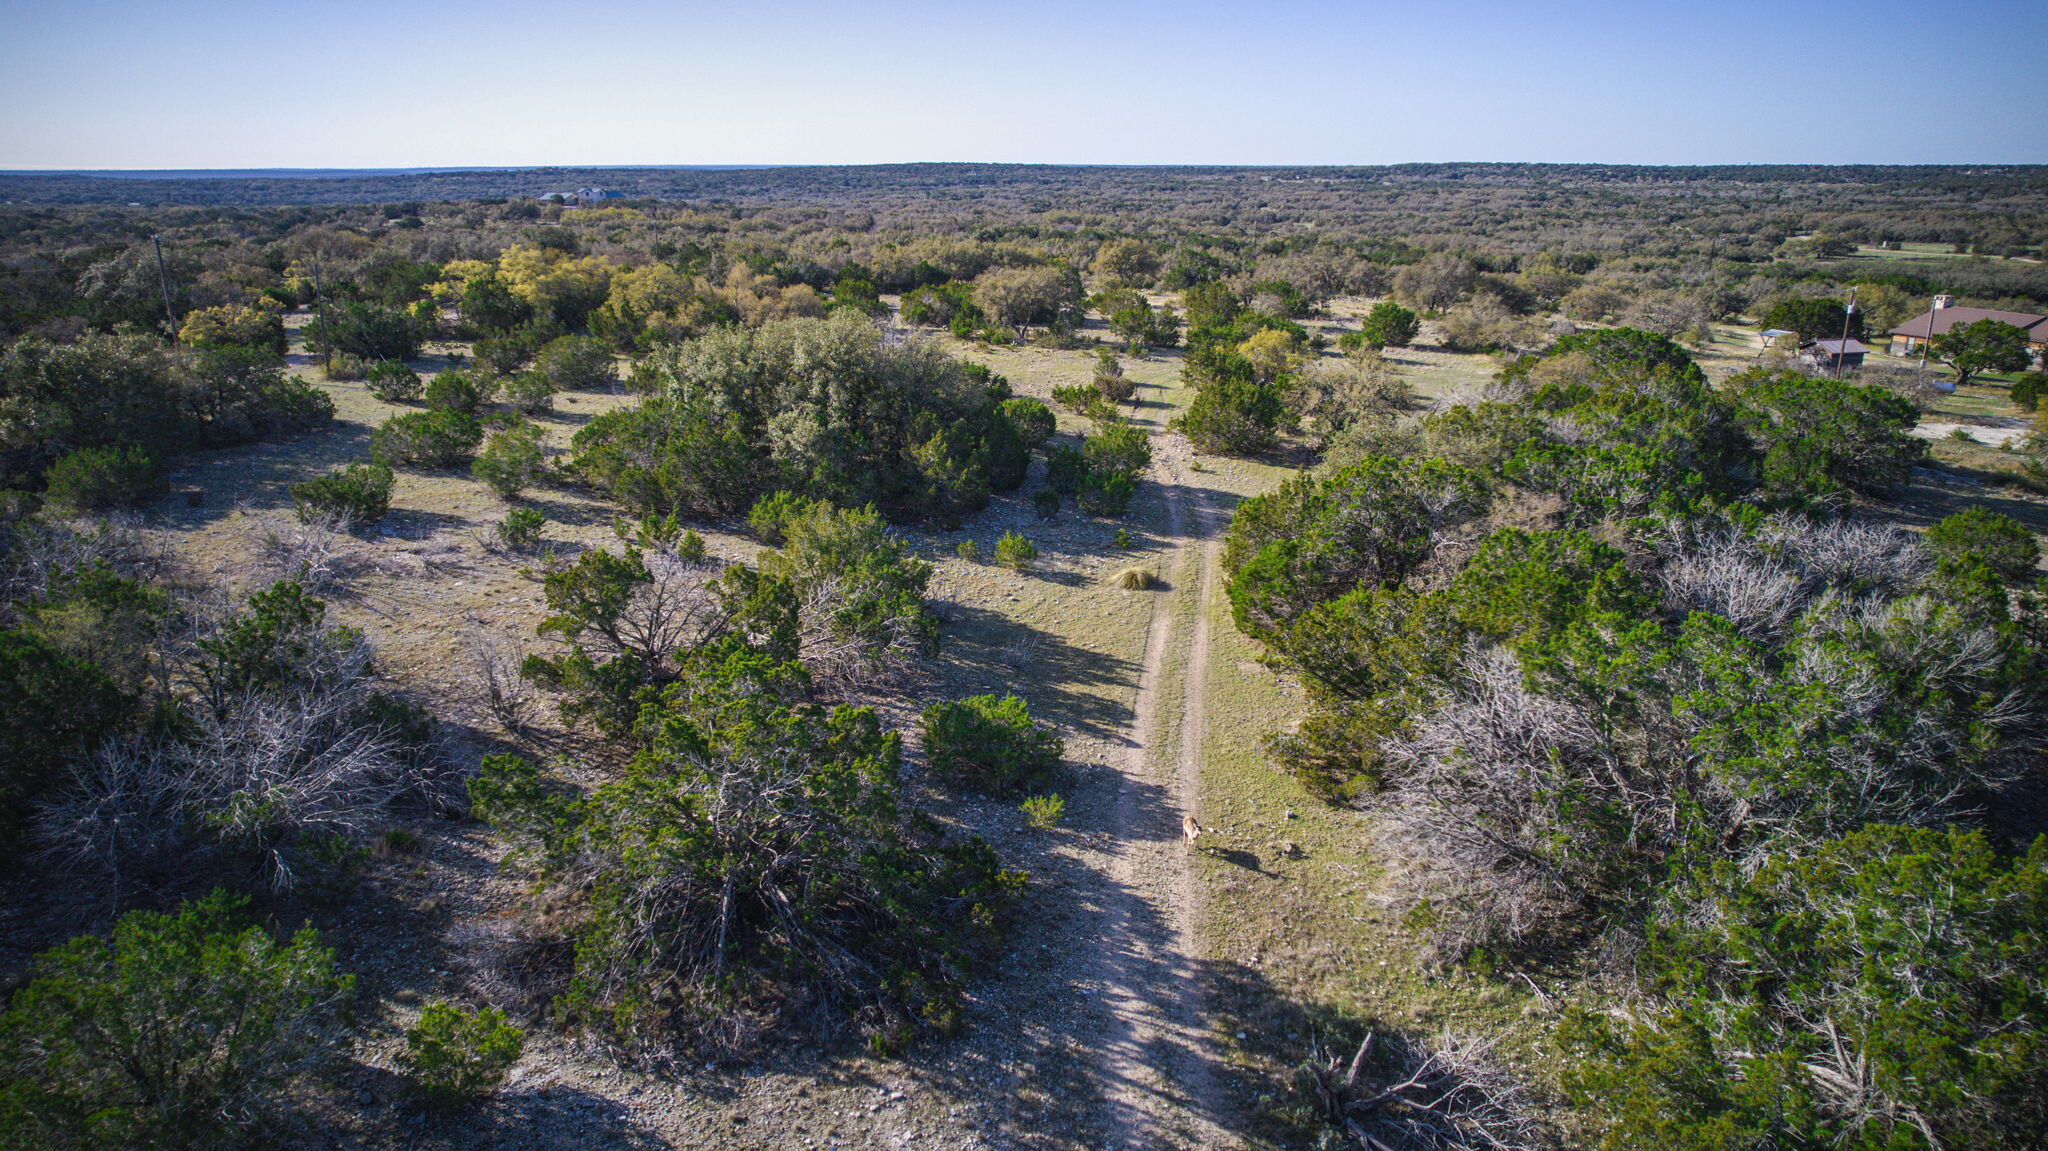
(406,83)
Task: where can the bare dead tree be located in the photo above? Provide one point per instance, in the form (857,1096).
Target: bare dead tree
(315,552)
(1762,581)
(507,694)
(853,656)
(1521,799)
(1480,806)
(39,555)
(1448,1094)
(1758,594)
(259,770)
(677,608)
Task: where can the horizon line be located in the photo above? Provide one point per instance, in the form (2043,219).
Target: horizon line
(288,171)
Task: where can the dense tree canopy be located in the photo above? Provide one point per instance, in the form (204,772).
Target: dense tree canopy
(828,408)
(1815,319)
(1982,346)
(1622,673)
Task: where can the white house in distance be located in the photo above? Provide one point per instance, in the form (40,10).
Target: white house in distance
(582,196)
(1909,336)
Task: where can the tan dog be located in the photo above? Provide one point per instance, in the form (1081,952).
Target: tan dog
(1190,830)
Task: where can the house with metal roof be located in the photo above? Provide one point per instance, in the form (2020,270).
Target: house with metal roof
(1908,337)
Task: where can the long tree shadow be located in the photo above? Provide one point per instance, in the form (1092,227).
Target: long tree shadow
(548,1116)
(258,474)
(1062,681)
(1200,492)
(1092,1029)
(572,506)
(1930,500)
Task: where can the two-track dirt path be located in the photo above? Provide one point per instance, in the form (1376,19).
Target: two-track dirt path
(1153,1063)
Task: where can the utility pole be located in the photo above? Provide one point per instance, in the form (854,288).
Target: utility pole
(163,280)
(1848,316)
(1928,340)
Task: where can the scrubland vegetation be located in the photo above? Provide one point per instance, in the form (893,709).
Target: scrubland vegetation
(767,625)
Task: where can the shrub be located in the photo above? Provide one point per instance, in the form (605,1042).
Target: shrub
(435,439)
(825,408)
(577,364)
(242,393)
(1014,551)
(969,551)
(1106,493)
(1982,536)
(1874,991)
(1122,538)
(357,494)
(993,383)
(662,534)
(366,331)
(754,865)
(1122,448)
(627,620)
(1034,421)
(504,355)
(943,306)
(398,841)
(258,325)
(343,366)
(1046,502)
(1076,398)
(393,382)
(512,461)
(52,707)
(1110,379)
(92,612)
(1388,325)
(861,591)
(457,391)
(1826,437)
(1044,812)
(989,744)
(520,530)
(95,479)
(529,392)
(280,748)
(1234,416)
(455,1056)
(771,515)
(2028,390)
(184,1030)
(1065,468)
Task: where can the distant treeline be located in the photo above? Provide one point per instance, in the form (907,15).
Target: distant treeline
(833,182)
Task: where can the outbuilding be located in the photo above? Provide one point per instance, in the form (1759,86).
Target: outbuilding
(1835,355)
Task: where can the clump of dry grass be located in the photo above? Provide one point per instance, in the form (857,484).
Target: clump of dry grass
(1018,652)
(1135,579)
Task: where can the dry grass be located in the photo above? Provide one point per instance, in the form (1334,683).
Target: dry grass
(1289,937)
(1135,579)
